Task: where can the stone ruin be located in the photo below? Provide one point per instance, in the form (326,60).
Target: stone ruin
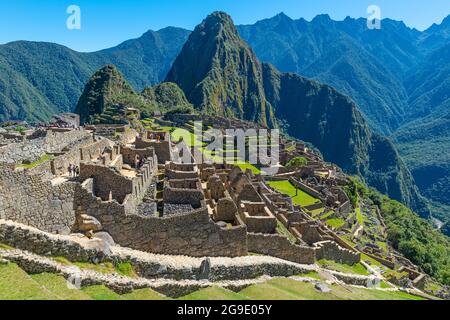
(155,204)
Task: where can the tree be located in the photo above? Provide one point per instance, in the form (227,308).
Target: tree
(297,162)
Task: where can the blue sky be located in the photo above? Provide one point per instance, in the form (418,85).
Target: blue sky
(106,23)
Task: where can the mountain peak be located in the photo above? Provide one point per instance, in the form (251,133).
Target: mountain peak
(283,16)
(99,91)
(219,17)
(215,65)
(446,21)
(320,18)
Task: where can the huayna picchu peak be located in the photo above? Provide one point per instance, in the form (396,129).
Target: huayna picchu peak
(220,73)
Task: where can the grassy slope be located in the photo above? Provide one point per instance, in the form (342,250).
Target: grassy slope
(57,285)
(213,293)
(15,284)
(287,188)
(288,289)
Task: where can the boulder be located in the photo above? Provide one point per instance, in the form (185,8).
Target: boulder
(205,269)
(106,237)
(88,223)
(322,287)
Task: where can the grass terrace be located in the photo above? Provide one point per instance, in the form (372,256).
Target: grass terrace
(357,268)
(124,268)
(36,163)
(15,284)
(335,223)
(281,229)
(298,196)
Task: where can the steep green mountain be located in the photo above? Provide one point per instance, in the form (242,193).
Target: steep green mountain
(398,76)
(102,90)
(331,122)
(166,96)
(393,74)
(429,86)
(412,236)
(107,97)
(424,141)
(211,61)
(39,79)
(19,99)
(435,37)
(368,65)
(43,78)
(219,72)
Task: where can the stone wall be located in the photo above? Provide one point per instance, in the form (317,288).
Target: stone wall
(36,241)
(305,188)
(278,246)
(50,141)
(257,217)
(162,148)
(107,182)
(192,234)
(30,200)
(17,152)
(330,250)
(129,154)
(183,192)
(181,171)
(92,151)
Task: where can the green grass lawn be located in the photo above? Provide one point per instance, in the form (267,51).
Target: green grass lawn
(303,199)
(213,293)
(288,289)
(100,293)
(335,223)
(245,166)
(57,285)
(316,212)
(285,232)
(143,294)
(188,137)
(40,161)
(347,239)
(5,247)
(359,215)
(326,215)
(357,268)
(312,274)
(15,284)
(124,268)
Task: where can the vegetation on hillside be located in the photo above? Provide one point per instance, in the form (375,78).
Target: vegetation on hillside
(220,74)
(411,235)
(109,99)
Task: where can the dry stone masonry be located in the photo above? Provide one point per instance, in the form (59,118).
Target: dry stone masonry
(132,191)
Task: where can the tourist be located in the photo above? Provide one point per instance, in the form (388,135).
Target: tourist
(77,171)
(136,162)
(70,170)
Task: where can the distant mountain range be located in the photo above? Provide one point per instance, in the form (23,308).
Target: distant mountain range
(397,76)
(38,79)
